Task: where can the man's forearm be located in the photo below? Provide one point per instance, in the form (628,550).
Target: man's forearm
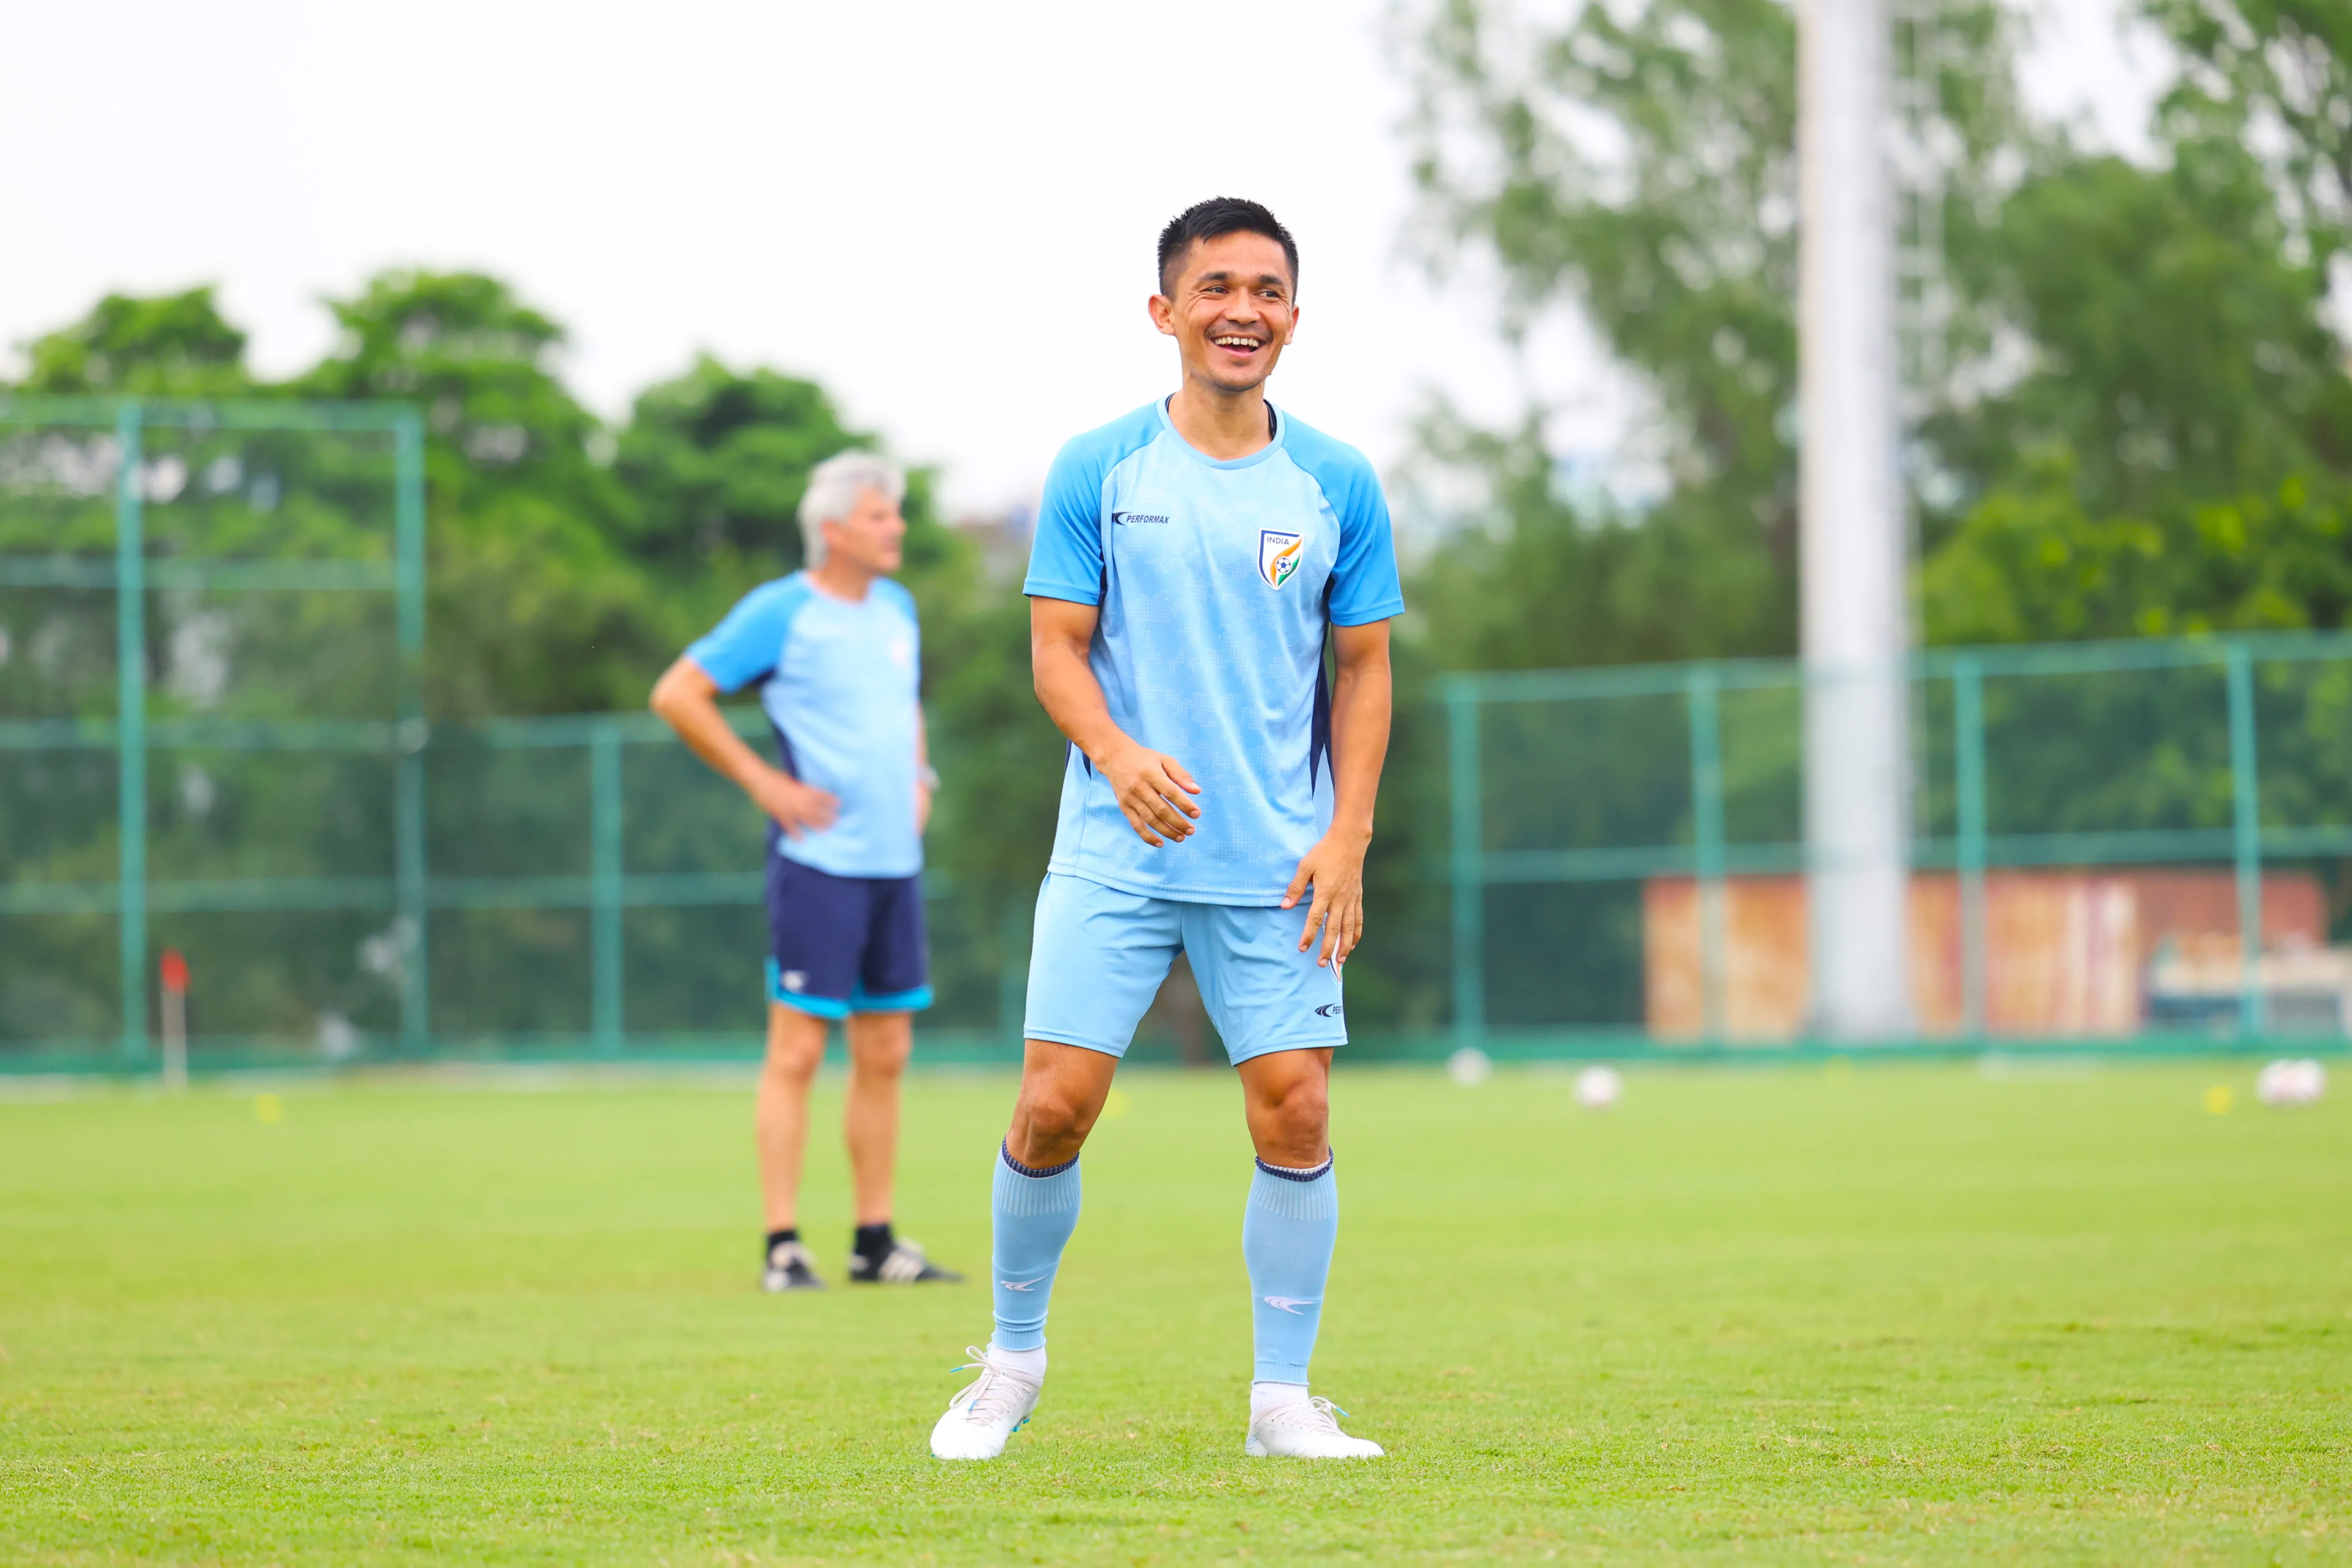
(704,727)
(1361,705)
(713,740)
(1074,700)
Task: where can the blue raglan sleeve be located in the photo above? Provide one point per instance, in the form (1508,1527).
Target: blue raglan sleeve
(744,647)
(1066,559)
(1364,583)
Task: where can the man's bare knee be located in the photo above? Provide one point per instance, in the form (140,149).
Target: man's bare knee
(796,1049)
(1062,1092)
(1289,1108)
(1049,1125)
(792,1066)
(879,1048)
(1055,1115)
(877,1066)
(1301,1118)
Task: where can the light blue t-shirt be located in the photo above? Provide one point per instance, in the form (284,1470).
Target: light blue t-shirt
(1216,580)
(839,682)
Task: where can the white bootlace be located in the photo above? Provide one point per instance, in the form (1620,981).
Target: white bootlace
(1317,1414)
(995,1395)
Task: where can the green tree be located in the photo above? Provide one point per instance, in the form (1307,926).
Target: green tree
(1539,579)
(715,462)
(557,583)
(1636,166)
(174,345)
(2177,457)
(535,607)
(2286,64)
(2147,428)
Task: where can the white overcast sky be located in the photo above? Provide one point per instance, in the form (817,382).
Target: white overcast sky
(942,211)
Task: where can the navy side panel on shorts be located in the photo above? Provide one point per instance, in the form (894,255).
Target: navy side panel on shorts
(897,948)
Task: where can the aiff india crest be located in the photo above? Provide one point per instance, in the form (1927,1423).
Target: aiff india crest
(1278,554)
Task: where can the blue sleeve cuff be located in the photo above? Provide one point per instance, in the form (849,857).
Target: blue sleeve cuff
(712,661)
(1386,610)
(1073,593)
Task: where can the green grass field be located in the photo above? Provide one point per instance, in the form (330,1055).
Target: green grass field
(1903,1314)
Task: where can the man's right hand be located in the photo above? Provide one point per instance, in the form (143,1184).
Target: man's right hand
(1150,787)
(795,807)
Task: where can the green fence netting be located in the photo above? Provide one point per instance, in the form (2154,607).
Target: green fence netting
(212,740)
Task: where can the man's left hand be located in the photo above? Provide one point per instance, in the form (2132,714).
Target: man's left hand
(1335,869)
(922,808)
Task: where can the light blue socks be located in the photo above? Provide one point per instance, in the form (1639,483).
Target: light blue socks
(1288,1230)
(1035,1212)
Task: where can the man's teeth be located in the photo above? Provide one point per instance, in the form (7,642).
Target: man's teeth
(1235,342)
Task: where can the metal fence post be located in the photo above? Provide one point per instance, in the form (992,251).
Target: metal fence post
(408,764)
(2247,839)
(1467,862)
(130,725)
(604,866)
(1701,690)
(1968,797)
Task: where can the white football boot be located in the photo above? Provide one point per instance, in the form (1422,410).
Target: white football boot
(1304,1429)
(987,1412)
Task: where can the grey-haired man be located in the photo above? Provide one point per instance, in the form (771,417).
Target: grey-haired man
(836,651)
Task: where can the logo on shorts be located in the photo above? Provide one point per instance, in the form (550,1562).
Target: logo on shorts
(1126,520)
(1278,554)
(1289,1303)
(1328,1011)
(795,979)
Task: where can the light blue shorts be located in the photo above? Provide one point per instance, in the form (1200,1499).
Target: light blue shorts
(1099,956)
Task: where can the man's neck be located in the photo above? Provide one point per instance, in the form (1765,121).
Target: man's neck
(1223,426)
(842,579)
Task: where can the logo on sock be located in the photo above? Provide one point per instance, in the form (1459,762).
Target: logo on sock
(1289,1303)
(1023,1284)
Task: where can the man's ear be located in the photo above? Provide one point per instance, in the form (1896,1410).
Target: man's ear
(1163,314)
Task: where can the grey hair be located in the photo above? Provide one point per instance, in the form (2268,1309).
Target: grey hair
(834,486)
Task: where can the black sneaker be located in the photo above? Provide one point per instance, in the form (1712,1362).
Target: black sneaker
(903,1264)
(789,1270)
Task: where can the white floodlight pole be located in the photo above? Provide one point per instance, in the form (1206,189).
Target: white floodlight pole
(1855,625)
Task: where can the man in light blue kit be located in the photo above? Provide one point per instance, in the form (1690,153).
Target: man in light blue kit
(838,658)
(1190,560)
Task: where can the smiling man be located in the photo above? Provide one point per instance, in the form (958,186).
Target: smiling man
(1192,559)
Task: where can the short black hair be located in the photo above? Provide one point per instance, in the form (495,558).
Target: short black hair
(1217,216)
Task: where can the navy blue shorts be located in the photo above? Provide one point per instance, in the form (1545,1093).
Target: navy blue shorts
(842,945)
